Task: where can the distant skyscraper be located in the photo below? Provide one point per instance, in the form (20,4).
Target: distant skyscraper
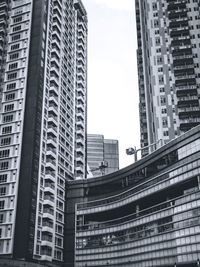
(168,67)
(43,49)
(100,150)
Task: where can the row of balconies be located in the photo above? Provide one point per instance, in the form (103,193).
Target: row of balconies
(178,15)
(188,109)
(184,67)
(184,57)
(183,75)
(187,98)
(190,120)
(50,175)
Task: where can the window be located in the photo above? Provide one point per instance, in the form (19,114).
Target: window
(16,37)
(13,66)
(10,96)
(14,47)
(4,165)
(162,100)
(17,28)
(164,122)
(17,19)
(3,178)
(58,242)
(8,118)
(5,141)
(12,76)
(2,204)
(4,153)
(59,217)
(1,218)
(11,86)
(14,56)
(8,107)
(2,191)
(189,149)
(166,133)
(7,129)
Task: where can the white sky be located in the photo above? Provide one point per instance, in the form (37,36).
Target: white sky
(112,73)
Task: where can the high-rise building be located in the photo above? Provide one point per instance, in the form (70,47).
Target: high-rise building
(168,67)
(101,153)
(43,48)
(81,90)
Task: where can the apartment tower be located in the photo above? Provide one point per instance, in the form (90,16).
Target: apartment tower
(42,56)
(168,68)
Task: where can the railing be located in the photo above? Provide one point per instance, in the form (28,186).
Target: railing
(173,203)
(125,195)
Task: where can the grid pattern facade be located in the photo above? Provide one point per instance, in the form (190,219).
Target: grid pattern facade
(13,87)
(81,90)
(154,223)
(100,150)
(38,123)
(168,68)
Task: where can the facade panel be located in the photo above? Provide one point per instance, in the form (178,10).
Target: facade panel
(41,43)
(168,68)
(149,215)
(101,151)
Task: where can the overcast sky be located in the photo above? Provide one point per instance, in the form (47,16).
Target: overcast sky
(112,73)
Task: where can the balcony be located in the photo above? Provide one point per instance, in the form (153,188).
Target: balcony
(51,164)
(186,87)
(52,130)
(80,131)
(79,140)
(52,118)
(49,175)
(80,123)
(49,200)
(54,72)
(79,159)
(47,241)
(184,67)
(47,226)
(188,109)
(49,188)
(190,120)
(80,89)
(53,109)
(56,52)
(187,126)
(80,149)
(183,57)
(53,98)
(51,152)
(51,141)
(46,258)
(81,75)
(80,115)
(80,107)
(48,213)
(187,97)
(79,169)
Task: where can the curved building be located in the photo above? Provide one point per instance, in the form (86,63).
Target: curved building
(147,214)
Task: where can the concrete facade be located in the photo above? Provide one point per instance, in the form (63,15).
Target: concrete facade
(168,68)
(146,214)
(43,104)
